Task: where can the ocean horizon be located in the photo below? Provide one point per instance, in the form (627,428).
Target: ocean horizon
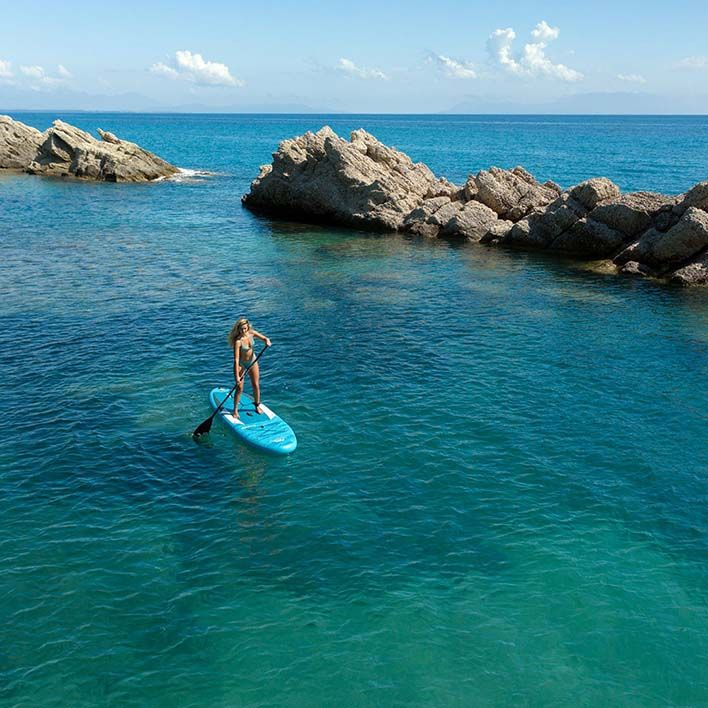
(499,491)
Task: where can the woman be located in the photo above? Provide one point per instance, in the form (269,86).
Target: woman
(241,339)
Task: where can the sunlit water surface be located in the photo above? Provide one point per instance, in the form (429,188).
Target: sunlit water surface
(499,495)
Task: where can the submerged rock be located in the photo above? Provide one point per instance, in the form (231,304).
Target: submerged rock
(635,269)
(64,150)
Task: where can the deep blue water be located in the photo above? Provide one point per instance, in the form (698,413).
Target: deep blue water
(499,495)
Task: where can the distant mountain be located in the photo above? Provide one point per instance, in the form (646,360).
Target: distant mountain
(63,99)
(60,99)
(621,102)
(246,108)
(14,99)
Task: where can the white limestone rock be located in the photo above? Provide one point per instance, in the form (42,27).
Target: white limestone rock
(69,151)
(18,143)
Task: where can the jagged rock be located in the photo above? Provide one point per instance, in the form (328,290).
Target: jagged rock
(362,182)
(511,194)
(591,219)
(663,251)
(541,228)
(697,197)
(18,143)
(425,210)
(428,219)
(66,150)
(475,221)
(594,191)
(444,214)
(666,218)
(443,188)
(695,273)
(588,237)
(631,213)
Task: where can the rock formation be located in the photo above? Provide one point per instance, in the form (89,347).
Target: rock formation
(363,183)
(64,150)
(360,183)
(19,144)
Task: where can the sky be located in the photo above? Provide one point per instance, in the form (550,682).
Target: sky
(358,57)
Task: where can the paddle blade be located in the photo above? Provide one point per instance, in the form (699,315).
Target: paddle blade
(203,428)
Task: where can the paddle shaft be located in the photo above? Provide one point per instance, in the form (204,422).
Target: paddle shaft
(206,425)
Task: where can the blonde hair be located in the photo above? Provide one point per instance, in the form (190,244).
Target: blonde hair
(235,332)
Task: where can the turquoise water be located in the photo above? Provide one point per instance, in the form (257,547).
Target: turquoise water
(499,494)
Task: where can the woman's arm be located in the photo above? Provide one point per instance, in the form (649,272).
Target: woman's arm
(262,337)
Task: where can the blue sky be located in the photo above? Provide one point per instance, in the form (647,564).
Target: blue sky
(360,56)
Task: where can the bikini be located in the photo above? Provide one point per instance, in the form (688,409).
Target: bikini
(245,350)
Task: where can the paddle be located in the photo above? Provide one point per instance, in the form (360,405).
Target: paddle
(205,427)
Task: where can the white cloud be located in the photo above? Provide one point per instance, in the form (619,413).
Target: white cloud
(34,72)
(38,76)
(533,60)
(5,69)
(454,68)
(347,66)
(632,78)
(693,63)
(165,70)
(543,32)
(192,67)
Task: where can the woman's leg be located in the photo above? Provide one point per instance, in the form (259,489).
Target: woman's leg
(239,391)
(255,382)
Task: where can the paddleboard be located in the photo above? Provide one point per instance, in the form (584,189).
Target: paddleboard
(264,431)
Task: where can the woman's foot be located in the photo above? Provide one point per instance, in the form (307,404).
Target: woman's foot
(235,413)
(258,407)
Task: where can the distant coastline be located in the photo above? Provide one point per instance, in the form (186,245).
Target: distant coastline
(608,103)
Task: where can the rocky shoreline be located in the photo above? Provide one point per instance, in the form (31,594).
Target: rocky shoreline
(364,184)
(66,151)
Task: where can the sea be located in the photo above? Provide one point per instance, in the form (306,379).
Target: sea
(499,495)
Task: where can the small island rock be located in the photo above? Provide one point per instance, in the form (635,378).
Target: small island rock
(66,151)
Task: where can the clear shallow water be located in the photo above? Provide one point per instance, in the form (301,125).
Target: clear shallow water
(499,494)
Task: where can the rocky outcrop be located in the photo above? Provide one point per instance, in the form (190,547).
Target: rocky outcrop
(66,151)
(19,144)
(319,176)
(361,182)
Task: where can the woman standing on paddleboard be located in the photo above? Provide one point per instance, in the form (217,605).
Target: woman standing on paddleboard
(241,338)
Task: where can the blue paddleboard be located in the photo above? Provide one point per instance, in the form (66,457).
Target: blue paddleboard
(265,431)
